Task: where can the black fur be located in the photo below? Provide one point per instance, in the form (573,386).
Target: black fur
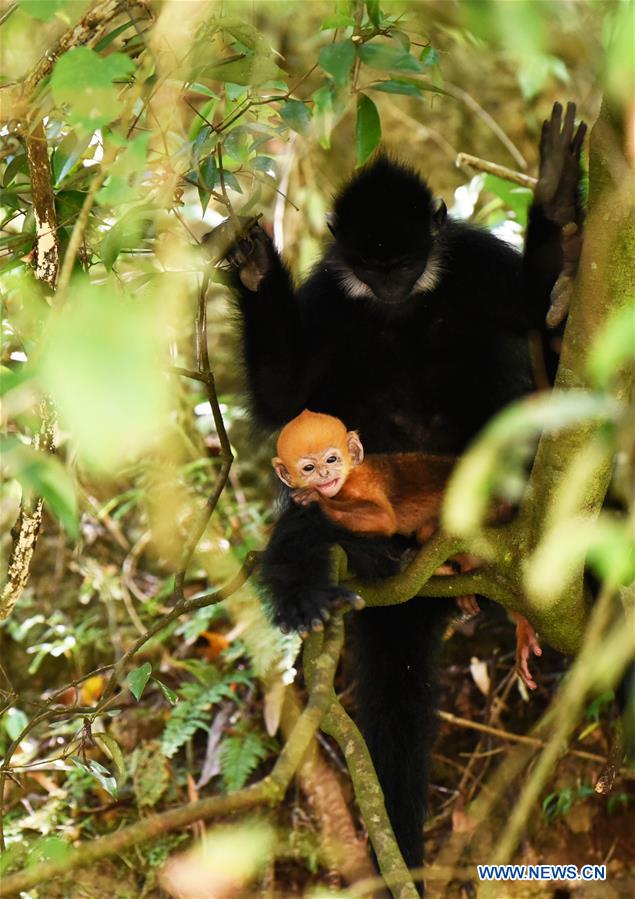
(410,369)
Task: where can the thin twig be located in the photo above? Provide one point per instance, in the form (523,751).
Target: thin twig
(521,738)
(459,94)
(493,168)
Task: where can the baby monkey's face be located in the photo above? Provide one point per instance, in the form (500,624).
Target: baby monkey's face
(325,471)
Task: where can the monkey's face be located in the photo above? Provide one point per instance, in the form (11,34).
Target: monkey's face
(392,281)
(325,471)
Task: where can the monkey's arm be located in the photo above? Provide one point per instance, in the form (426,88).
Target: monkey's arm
(556,217)
(277,347)
(361,516)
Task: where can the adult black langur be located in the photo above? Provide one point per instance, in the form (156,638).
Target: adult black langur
(413,329)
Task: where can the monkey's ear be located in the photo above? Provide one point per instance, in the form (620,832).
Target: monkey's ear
(355,448)
(439,213)
(282,471)
(331,221)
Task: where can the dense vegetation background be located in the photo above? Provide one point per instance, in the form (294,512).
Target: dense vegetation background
(129,130)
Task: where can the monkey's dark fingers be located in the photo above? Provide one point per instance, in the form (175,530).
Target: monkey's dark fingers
(578,139)
(555,121)
(569,122)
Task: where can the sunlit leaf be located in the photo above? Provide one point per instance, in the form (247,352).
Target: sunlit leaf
(101,363)
(41,474)
(323,115)
(337,59)
(109,745)
(614,346)
(337,21)
(43,9)
(367,129)
(120,187)
(14,721)
(516,198)
(49,849)
(84,80)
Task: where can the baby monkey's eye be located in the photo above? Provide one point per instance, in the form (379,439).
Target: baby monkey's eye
(308,468)
(331,460)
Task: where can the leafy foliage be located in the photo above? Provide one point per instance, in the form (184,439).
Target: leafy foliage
(193,711)
(239,756)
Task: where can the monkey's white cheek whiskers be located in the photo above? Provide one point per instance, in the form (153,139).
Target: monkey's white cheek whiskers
(429,279)
(352,284)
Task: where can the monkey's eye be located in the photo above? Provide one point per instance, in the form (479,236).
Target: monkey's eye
(308,468)
(331,460)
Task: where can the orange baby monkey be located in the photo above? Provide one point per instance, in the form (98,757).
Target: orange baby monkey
(383,494)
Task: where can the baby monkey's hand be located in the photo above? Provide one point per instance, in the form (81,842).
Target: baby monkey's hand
(304,496)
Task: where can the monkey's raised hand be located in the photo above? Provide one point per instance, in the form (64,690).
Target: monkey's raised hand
(252,256)
(557,191)
(558,194)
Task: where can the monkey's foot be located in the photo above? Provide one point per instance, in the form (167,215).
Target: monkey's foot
(526,645)
(315,608)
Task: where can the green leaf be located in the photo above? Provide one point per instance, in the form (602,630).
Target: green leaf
(367,129)
(84,80)
(516,198)
(14,722)
(430,56)
(107,40)
(120,186)
(337,21)
(99,773)
(138,678)
(323,115)
(378,56)
(49,849)
(125,234)
(67,154)
(169,694)
(401,37)
(250,70)
(374,12)
(43,475)
(110,746)
(296,115)
(614,346)
(393,86)
(239,756)
(337,60)
(42,9)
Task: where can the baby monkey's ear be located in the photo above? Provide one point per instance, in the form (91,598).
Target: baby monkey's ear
(282,471)
(355,448)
